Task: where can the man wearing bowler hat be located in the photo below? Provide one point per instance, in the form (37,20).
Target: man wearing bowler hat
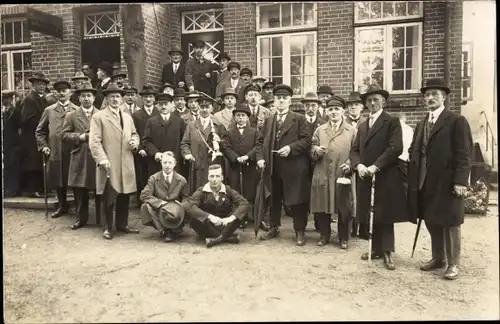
(375,151)
(174,72)
(79,80)
(113,141)
(162,198)
(234,81)
(11,126)
(199,71)
(32,107)
(439,169)
(48,138)
(104,73)
(222,73)
(324,93)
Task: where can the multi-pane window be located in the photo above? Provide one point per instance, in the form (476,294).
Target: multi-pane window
(102,25)
(283,16)
(210,52)
(388,55)
(16,56)
(467,71)
(202,21)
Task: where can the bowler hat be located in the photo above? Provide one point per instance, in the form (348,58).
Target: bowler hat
(129,89)
(242,107)
(229,92)
(311,97)
(325,89)
(179,93)
(167,85)
(61,84)
(175,50)
(38,76)
(435,84)
(118,75)
(171,214)
(374,89)
(164,97)
(233,64)
(148,90)
(355,96)
(246,71)
(268,84)
(79,76)
(106,68)
(283,90)
(113,88)
(258,78)
(8,93)
(335,101)
(252,87)
(87,87)
(192,95)
(199,43)
(224,55)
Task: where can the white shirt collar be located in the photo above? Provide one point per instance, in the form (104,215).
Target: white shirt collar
(234,82)
(167,176)
(376,115)
(88,110)
(204,120)
(103,82)
(165,116)
(311,119)
(206,188)
(283,114)
(436,113)
(149,109)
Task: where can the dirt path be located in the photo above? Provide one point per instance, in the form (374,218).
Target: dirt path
(53,274)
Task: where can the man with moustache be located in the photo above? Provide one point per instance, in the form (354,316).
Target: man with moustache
(32,107)
(267,89)
(375,151)
(258,113)
(104,73)
(192,98)
(82,167)
(129,105)
(234,81)
(48,138)
(440,162)
(119,79)
(11,128)
(112,141)
(174,72)
(199,71)
(283,148)
(246,78)
(180,109)
(324,93)
(223,74)
(225,116)
(79,80)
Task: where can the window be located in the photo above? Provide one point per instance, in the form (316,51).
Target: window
(467,71)
(202,21)
(289,59)
(285,16)
(16,56)
(101,25)
(373,11)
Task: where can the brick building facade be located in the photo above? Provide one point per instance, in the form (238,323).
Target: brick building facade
(344,44)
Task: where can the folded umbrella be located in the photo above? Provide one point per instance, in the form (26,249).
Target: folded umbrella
(261,200)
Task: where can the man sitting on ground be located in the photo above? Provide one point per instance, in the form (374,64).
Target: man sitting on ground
(215,210)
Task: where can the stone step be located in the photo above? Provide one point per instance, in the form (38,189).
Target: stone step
(39,203)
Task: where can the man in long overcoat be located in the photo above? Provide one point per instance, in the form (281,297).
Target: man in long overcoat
(199,71)
(258,112)
(440,162)
(283,148)
(175,71)
(82,167)
(32,108)
(48,138)
(331,144)
(11,126)
(234,80)
(375,151)
(225,117)
(112,141)
(222,73)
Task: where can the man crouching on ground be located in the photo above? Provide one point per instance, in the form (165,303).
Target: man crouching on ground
(161,198)
(215,210)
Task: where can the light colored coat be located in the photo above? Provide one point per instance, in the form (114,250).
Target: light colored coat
(327,168)
(108,141)
(224,118)
(125,108)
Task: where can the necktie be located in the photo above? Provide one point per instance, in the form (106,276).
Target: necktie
(280,120)
(168,179)
(431,121)
(175,68)
(370,122)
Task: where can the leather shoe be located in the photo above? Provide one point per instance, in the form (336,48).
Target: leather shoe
(107,235)
(272,233)
(301,239)
(364,256)
(168,237)
(389,264)
(343,245)
(128,230)
(78,225)
(451,272)
(211,242)
(263,226)
(432,265)
(243,224)
(233,239)
(59,212)
(322,241)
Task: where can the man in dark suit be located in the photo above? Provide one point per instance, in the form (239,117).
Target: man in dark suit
(283,148)
(161,199)
(104,73)
(258,113)
(440,162)
(163,133)
(234,81)
(174,72)
(199,71)
(11,127)
(246,77)
(375,151)
(32,108)
(324,93)
(180,110)
(222,73)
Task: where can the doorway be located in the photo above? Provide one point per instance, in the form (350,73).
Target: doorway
(98,50)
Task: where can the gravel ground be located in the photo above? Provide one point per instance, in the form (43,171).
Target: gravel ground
(53,274)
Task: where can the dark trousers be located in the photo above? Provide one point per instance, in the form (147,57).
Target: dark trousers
(62,195)
(324,226)
(12,180)
(207,229)
(445,242)
(111,199)
(383,238)
(82,204)
(141,174)
(297,212)
(34,181)
(344,225)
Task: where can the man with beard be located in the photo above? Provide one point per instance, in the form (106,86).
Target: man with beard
(79,80)
(174,72)
(235,82)
(180,105)
(258,113)
(112,141)
(32,107)
(130,101)
(225,117)
(163,133)
(283,148)
(246,77)
(82,169)
(11,127)
(440,162)
(104,73)
(375,151)
(48,138)
(223,74)
(192,98)
(324,93)
(199,71)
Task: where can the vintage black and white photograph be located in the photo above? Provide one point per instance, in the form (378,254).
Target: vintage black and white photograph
(250,161)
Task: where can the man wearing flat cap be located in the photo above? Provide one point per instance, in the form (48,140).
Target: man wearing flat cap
(79,80)
(11,128)
(174,72)
(199,71)
(82,167)
(375,151)
(438,175)
(223,74)
(104,73)
(113,141)
(48,138)
(193,105)
(234,81)
(129,105)
(32,107)
(246,77)
(283,148)
(162,198)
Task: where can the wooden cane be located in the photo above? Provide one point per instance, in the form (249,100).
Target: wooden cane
(370,228)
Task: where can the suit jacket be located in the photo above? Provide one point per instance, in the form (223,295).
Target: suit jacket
(186,115)
(257,120)
(196,71)
(126,109)
(227,84)
(317,122)
(32,108)
(140,119)
(158,191)
(169,76)
(99,97)
(448,154)
(222,77)
(109,141)
(224,118)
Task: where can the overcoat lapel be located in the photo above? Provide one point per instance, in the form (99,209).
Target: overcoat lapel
(440,123)
(111,118)
(287,124)
(376,126)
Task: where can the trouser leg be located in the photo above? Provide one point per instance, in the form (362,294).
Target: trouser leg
(437,241)
(82,204)
(62,193)
(452,238)
(299,214)
(324,224)
(108,202)
(383,238)
(205,229)
(354,227)
(277,198)
(229,229)
(122,206)
(98,209)
(344,227)
(148,212)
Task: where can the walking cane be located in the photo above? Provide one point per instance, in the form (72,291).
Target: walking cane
(370,229)
(45,186)
(416,237)
(241,192)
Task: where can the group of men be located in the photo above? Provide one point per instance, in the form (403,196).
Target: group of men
(189,164)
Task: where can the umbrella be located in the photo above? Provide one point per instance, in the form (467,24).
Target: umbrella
(260,204)
(192,182)
(416,237)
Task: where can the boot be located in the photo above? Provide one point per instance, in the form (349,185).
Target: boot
(226,233)
(301,238)
(323,240)
(273,232)
(451,272)
(432,265)
(389,264)
(62,205)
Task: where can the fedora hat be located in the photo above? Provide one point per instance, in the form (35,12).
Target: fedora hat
(374,89)
(79,76)
(38,76)
(113,88)
(192,95)
(435,84)
(355,96)
(229,92)
(242,107)
(175,50)
(325,89)
(148,90)
(117,75)
(129,89)
(171,214)
(233,64)
(246,70)
(60,84)
(106,68)
(269,84)
(179,93)
(311,97)
(168,85)
(164,97)
(224,55)
(87,87)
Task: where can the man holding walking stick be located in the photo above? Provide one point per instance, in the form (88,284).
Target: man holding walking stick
(375,150)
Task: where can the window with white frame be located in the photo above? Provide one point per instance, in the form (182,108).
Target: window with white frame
(101,25)
(202,21)
(467,71)
(388,55)
(285,16)
(16,56)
